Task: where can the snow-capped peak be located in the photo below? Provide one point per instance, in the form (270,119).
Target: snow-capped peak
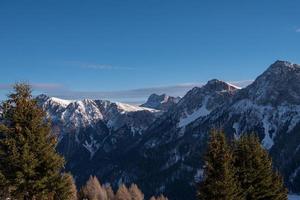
(86,112)
(44,99)
(61,102)
(283,65)
(82,113)
(280,83)
(201,101)
(218,85)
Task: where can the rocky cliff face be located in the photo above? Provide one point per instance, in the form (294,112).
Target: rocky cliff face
(170,151)
(162,150)
(268,107)
(161,102)
(94,133)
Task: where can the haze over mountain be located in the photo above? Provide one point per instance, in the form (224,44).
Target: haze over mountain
(161,146)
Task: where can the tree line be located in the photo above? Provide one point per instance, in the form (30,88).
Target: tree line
(239,170)
(93,190)
(31,169)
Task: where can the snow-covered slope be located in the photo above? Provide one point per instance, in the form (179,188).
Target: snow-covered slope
(163,149)
(271,103)
(279,84)
(199,102)
(91,124)
(83,113)
(268,107)
(168,144)
(131,108)
(61,102)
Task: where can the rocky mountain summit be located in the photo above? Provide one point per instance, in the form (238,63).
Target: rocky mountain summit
(161,102)
(85,126)
(160,147)
(269,107)
(279,84)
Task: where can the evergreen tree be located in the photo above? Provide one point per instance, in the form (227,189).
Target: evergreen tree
(123,193)
(68,188)
(255,173)
(29,163)
(4,187)
(220,182)
(136,193)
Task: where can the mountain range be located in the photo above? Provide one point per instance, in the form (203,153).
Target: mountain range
(160,144)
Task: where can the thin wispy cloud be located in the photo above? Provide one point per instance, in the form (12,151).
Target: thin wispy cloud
(48,86)
(96,66)
(105,67)
(36,86)
(136,96)
(242,83)
(298,30)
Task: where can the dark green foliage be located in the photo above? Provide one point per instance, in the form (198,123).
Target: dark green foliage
(255,173)
(219,182)
(246,173)
(29,164)
(66,188)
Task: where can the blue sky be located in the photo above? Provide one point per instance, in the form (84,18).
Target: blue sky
(110,48)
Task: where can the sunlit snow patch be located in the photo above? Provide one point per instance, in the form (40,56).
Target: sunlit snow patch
(61,102)
(267,142)
(200,112)
(131,108)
